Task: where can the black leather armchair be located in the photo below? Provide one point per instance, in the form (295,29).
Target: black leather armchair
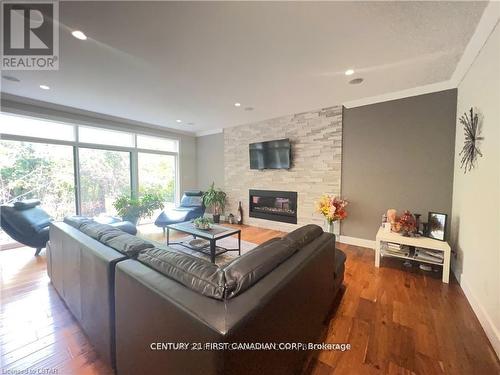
(26,223)
(190,208)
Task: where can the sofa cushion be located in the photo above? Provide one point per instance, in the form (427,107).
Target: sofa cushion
(125,226)
(125,243)
(195,273)
(95,230)
(304,235)
(245,271)
(77,221)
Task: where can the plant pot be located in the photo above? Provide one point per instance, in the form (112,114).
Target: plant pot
(216,218)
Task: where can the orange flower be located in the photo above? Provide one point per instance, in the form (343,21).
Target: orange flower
(332,207)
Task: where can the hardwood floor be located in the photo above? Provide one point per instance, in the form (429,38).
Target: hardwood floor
(397,322)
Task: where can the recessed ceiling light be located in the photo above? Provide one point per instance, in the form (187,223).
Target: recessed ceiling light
(45,87)
(349,72)
(10,78)
(79,35)
(190,123)
(237,104)
(356,81)
(248,108)
(179,121)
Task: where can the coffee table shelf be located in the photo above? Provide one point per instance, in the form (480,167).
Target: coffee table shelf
(215,233)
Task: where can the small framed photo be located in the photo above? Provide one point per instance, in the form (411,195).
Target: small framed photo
(436,225)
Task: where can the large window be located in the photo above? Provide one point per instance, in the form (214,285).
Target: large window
(158,144)
(104,175)
(82,169)
(36,128)
(105,137)
(37,170)
(157,174)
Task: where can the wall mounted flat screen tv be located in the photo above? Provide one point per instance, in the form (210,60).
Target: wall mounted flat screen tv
(270,155)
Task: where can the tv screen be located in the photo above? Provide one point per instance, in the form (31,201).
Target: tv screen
(270,155)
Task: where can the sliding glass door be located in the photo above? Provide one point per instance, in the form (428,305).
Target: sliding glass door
(40,171)
(157,174)
(104,175)
(82,169)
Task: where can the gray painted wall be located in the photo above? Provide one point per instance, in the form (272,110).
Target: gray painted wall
(210,157)
(398,154)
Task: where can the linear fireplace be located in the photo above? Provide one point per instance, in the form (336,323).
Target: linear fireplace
(273,205)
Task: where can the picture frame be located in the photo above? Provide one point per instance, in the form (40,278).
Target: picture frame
(436,225)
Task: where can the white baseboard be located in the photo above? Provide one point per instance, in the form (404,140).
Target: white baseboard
(486,322)
(357,241)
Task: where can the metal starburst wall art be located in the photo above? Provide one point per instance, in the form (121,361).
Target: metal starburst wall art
(470,151)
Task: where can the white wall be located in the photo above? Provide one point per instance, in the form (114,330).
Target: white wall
(476,195)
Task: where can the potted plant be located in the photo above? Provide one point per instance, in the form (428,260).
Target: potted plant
(215,198)
(132,209)
(202,223)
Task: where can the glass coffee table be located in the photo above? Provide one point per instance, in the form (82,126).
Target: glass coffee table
(212,235)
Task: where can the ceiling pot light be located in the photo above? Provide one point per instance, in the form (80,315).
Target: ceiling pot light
(237,104)
(179,121)
(349,72)
(248,108)
(45,87)
(356,81)
(10,78)
(79,35)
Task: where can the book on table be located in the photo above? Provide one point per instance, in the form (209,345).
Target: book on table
(424,254)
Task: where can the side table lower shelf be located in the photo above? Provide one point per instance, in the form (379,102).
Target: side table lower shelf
(417,242)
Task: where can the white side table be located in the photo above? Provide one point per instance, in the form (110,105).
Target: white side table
(423,242)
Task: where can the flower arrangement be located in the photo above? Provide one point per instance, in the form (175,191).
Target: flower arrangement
(405,224)
(332,208)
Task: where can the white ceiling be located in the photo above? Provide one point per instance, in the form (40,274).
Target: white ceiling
(157,62)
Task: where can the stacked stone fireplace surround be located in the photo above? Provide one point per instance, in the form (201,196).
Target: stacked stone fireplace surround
(316,141)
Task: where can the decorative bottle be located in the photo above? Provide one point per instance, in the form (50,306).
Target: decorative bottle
(239,217)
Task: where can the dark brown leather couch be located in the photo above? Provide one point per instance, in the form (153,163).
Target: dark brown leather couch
(82,270)
(282,298)
(129,295)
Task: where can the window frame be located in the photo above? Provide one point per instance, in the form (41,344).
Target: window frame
(76,144)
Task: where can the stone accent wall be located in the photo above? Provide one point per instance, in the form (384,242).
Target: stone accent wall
(316,139)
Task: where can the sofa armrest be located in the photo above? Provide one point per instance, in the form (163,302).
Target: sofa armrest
(163,311)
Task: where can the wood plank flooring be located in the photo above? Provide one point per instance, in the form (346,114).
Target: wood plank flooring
(397,322)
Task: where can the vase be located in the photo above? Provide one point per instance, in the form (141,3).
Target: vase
(332,227)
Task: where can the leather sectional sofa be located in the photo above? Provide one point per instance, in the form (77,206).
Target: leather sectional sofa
(136,300)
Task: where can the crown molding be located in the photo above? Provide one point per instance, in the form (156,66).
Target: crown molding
(415,91)
(209,132)
(484,29)
(56,112)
